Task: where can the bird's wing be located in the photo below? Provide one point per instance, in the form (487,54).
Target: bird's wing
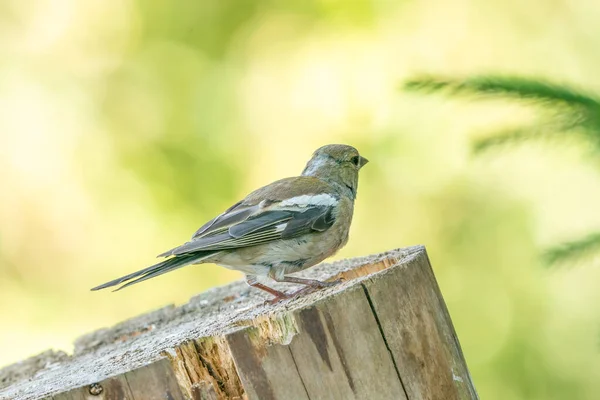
(263,217)
(239,212)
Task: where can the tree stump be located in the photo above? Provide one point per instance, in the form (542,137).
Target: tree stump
(383,333)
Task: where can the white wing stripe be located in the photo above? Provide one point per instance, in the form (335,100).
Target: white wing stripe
(309,200)
(280,227)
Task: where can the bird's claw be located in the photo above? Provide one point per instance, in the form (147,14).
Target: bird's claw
(277,299)
(315,285)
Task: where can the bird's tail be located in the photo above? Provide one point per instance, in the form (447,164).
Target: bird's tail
(156,270)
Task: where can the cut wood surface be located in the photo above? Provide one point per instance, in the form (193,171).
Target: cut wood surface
(383,333)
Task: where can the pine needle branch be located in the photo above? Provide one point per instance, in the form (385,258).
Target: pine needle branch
(507,86)
(514,136)
(571,251)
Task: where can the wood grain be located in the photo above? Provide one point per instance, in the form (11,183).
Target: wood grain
(417,328)
(384,333)
(340,352)
(154,382)
(115,388)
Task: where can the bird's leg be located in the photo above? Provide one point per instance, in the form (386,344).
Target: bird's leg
(252,281)
(311,284)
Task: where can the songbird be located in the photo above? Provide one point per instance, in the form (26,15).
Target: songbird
(285,227)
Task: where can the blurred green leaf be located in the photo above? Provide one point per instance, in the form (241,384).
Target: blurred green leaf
(572,251)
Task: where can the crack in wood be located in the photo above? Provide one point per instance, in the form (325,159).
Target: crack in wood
(387,346)
(298,372)
(206,365)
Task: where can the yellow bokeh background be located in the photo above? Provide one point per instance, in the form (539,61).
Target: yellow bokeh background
(125,125)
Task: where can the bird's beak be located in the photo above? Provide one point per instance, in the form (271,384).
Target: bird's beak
(363,161)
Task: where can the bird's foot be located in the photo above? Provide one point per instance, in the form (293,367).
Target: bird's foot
(313,287)
(310,287)
(277,299)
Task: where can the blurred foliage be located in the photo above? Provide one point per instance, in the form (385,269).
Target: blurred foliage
(126,124)
(569,108)
(571,251)
(571,112)
(509,86)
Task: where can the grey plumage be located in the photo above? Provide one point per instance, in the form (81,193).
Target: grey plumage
(282,228)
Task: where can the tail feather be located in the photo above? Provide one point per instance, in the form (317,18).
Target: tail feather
(155,270)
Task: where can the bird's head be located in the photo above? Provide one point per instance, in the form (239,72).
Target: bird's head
(338,164)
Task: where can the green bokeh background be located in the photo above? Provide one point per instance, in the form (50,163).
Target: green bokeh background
(125,125)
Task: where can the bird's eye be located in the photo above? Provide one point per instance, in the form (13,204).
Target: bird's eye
(355,160)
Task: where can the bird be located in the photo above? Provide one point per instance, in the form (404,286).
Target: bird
(279,229)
